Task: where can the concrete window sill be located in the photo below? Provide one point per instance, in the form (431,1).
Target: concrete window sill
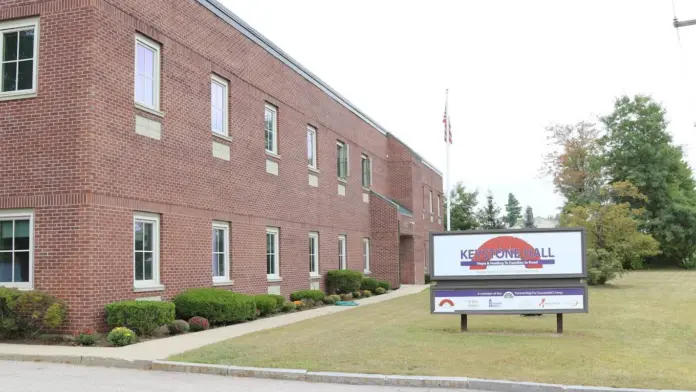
(274,280)
(314,277)
(149,110)
(146,289)
(223,283)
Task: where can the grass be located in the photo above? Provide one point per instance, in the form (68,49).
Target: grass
(640,332)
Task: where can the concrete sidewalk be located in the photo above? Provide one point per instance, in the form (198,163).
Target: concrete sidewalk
(166,347)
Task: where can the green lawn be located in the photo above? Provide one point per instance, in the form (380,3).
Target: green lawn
(640,332)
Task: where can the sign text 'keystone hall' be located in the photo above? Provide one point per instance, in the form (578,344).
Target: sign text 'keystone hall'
(506,250)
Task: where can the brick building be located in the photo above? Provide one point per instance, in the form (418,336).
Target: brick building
(134,134)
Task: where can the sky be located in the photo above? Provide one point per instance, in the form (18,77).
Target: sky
(512,67)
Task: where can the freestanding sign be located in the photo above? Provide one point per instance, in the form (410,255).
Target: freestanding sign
(527,271)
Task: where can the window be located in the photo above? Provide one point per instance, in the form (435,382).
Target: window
(312,147)
(146,250)
(16,249)
(271,129)
(430,201)
(439,203)
(147,72)
(366,171)
(314,254)
(19,45)
(342,252)
(218,105)
(366,254)
(342,160)
(272,253)
(221,252)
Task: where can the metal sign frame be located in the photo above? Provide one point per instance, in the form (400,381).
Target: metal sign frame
(507,232)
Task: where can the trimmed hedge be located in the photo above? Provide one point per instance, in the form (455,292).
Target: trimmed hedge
(384,284)
(343,281)
(177,327)
(143,317)
(369,284)
(316,295)
(266,304)
(217,305)
(280,300)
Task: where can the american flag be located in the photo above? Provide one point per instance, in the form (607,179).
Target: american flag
(448,123)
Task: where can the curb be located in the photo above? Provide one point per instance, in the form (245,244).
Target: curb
(321,377)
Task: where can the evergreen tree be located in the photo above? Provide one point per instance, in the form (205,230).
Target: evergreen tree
(463,208)
(513,210)
(489,215)
(528,218)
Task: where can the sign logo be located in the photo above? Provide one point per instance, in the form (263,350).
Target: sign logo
(494,304)
(446,302)
(506,250)
(542,303)
(508,295)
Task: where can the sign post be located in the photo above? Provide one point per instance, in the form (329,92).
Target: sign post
(527,271)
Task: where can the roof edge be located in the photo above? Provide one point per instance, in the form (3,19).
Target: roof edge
(235,21)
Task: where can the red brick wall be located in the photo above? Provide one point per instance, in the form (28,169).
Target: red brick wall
(77,160)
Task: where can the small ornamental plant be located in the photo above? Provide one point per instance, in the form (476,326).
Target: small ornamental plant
(197,323)
(380,290)
(336,297)
(298,305)
(329,300)
(177,327)
(121,336)
(367,293)
(357,294)
(86,337)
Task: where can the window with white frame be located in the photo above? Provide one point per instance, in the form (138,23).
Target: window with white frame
(271,128)
(146,230)
(147,72)
(272,253)
(430,201)
(16,249)
(311,147)
(366,254)
(342,264)
(366,164)
(439,203)
(19,47)
(341,160)
(221,252)
(314,254)
(218,105)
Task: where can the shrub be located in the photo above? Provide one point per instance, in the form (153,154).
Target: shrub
(329,300)
(380,291)
(86,337)
(197,323)
(369,284)
(266,304)
(34,311)
(280,300)
(335,297)
(309,303)
(357,294)
(143,317)
(177,327)
(343,281)
(8,321)
(121,336)
(367,293)
(602,266)
(217,305)
(689,262)
(346,297)
(384,284)
(289,307)
(316,295)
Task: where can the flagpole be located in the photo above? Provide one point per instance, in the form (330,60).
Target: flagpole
(447,168)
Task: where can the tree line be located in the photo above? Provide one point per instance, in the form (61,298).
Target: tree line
(466,216)
(625,181)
